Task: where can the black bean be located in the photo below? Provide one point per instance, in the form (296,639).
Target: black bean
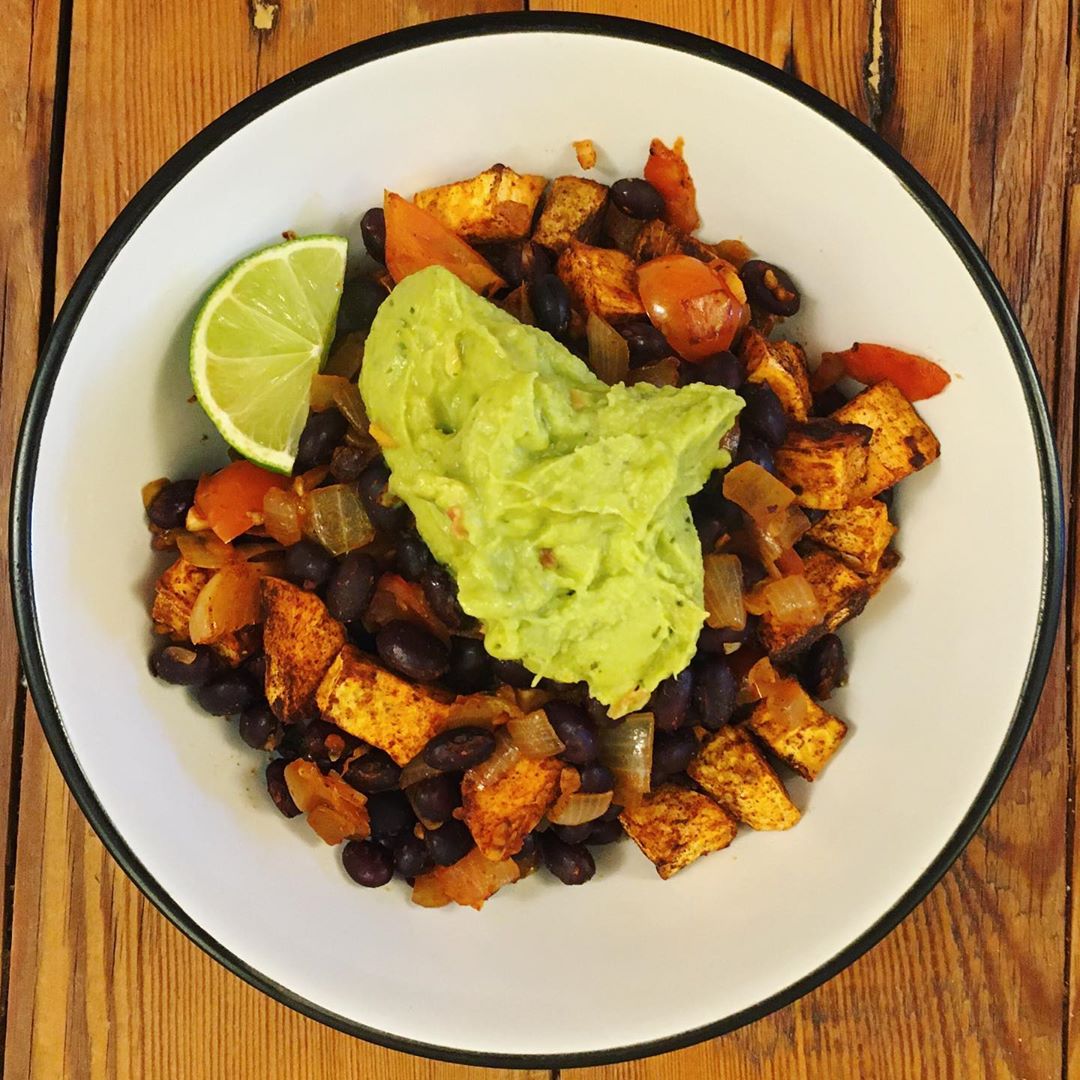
(520,261)
(646,343)
(670,702)
(459,749)
(606,832)
(573,834)
(827,401)
(279,789)
(255,666)
(611,813)
(373,232)
(755,450)
(325,743)
(768,287)
(637,198)
(550,303)
(291,745)
(348,462)
(596,778)
(322,432)
(887,496)
(360,299)
(412,650)
(721,369)
(571,724)
(168,509)
(361,637)
(260,728)
(572,864)
(387,513)
(390,814)
(672,752)
(375,771)
(351,587)
(448,843)
(824,667)
(227,694)
(597,712)
(368,864)
(183,665)
(412,557)
(711,505)
(308,563)
(714,691)
(437,797)
(440,588)
(713,639)
(411,857)
(470,665)
(512,673)
(528,848)
(752,573)
(763,416)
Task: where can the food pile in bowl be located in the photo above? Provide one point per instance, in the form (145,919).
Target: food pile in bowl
(536,534)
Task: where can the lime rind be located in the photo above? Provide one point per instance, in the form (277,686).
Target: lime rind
(261,334)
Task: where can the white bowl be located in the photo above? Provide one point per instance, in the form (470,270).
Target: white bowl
(947,663)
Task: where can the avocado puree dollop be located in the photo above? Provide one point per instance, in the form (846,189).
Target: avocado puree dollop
(558,502)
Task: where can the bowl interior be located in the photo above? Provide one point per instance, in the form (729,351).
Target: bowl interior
(938,661)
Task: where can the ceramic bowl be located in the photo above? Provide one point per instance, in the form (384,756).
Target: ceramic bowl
(946,665)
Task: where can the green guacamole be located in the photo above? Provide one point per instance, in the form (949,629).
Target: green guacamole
(558,502)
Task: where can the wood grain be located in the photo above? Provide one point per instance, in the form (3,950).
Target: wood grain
(971,984)
(977,982)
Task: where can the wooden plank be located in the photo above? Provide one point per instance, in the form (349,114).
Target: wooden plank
(974,95)
(28,50)
(101,985)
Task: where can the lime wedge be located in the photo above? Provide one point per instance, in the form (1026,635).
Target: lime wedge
(261,335)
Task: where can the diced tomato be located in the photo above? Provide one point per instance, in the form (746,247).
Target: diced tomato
(915,376)
(231,500)
(416,239)
(667,171)
(699,308)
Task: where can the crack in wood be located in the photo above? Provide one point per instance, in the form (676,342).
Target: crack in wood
(877,74)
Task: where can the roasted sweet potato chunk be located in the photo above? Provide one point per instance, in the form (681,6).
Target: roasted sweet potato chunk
(502,812)
(601,280)
(805,737)
(573,211)
(673,826)
(901,444)
(733,771)
(859,534)
(780,365)
(301,639)
(825,462)
(496,205)
(379,707)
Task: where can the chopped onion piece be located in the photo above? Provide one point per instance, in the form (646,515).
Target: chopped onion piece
(757,491)
(724,592)
(792,601)
(204,549)
(470,881)
(626,749)
(483,710)
(502,760)
(582,808)
(417,769)
(335,811)
(395,598)
(534,735)
(787,704)
(663,373)
(335,517)
(762,677)
(609,352)
(281,516)
(351,406)
(347,356)
(569,785)
(310,480)
(229,601)
(324,389)
(517,304)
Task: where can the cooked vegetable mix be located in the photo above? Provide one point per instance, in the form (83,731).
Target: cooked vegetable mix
(566,537)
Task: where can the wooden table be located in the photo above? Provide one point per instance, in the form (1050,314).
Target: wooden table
(982,96)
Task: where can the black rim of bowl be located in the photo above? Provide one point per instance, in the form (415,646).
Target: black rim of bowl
(365,52)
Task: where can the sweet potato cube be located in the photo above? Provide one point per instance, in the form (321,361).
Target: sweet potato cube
(301,639)
(901,444)
(496,205)
(804,745)
(780,365)
(732,769)
(573,211)
(841,592)
(824,462)
(379,707)
(601,280)
(859,534)
(502,812)
(673,826)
